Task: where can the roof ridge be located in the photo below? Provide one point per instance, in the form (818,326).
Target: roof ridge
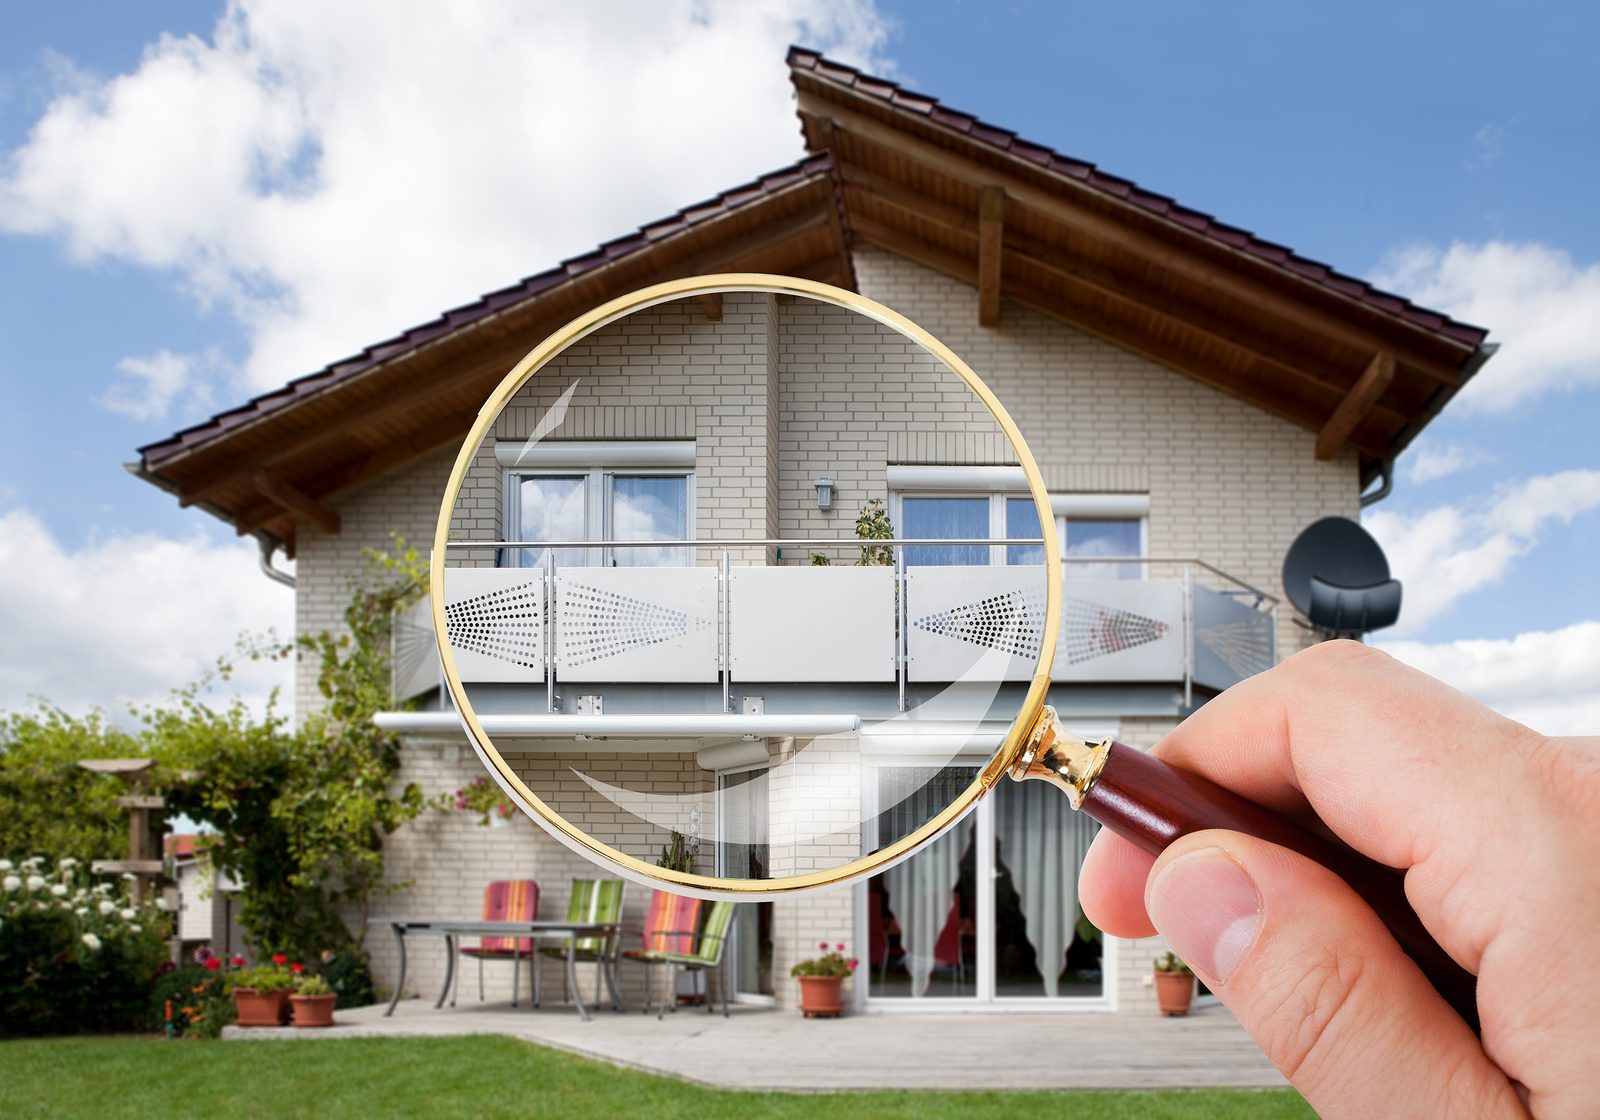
(1131,193)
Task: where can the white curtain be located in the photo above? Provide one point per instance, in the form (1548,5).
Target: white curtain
(1042,842)
(921,891)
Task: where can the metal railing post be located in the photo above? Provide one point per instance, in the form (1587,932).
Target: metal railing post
(727,648)
(901,649)
(549,576)
(1188,637)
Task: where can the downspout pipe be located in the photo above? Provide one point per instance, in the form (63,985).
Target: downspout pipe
(1384,489)
(278,575)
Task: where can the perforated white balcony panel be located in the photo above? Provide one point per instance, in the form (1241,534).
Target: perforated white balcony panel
(812,624)
(1120,630)
(496,619)
(637,624)
(974,623)
(1232,639)
(983,623)
(414,661)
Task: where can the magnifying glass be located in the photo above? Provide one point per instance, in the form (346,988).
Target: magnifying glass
(746,585)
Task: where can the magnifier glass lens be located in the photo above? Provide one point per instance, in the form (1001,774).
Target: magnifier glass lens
(751,584)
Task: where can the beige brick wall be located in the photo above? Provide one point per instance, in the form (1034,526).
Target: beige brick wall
(1227,483)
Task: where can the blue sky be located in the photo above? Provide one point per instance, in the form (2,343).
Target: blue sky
(185,222)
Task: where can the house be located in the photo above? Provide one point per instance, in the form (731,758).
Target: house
(1195,397)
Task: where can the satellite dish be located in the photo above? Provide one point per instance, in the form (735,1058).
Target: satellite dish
(1338,577)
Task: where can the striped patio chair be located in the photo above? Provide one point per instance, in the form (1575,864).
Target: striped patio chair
(504,900)
(708,955)
(670,926)
(593,900)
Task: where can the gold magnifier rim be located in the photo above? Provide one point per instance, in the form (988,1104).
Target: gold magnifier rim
(631,866)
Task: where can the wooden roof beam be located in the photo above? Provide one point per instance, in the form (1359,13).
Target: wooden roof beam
(1360,400)
(1155,249)
(991,242)
(276,490)
(712,302)
(960,266)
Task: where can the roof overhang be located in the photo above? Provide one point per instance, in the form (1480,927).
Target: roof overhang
(1327,352)
(283,456)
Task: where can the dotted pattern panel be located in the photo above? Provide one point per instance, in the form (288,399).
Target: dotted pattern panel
(1093,630)
(505,624)
(1011,622)
(1245,647)
(597,624)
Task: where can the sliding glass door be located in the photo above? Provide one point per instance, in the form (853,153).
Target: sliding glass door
(989,913)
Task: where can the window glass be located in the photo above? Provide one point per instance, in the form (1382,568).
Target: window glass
(649,508)
(1022,520)
(945,518)
(551,509)
(1088,538)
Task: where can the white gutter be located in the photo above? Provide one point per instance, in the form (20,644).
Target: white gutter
(625,727)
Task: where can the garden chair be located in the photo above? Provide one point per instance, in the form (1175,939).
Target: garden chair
(504,900)
(593,901)
(670,926)
(707,956)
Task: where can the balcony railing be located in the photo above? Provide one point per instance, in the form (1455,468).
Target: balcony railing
(742,617)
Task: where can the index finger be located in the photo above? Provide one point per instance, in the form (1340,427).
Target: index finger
(1400,766)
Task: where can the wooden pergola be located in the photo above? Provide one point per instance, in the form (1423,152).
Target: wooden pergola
(1359,367)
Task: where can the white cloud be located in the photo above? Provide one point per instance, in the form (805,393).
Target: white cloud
(1549,680)
(151,384)
(127,618)
(332,173)
(1533,298)
(1447,552)
(1429,463)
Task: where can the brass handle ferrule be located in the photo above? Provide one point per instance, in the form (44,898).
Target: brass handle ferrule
(1056,755)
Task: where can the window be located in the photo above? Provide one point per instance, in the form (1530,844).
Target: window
(605,503)
(979,502)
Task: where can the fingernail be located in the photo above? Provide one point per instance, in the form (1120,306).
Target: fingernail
(1208,909)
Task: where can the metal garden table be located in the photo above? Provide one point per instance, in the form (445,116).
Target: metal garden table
(452,930)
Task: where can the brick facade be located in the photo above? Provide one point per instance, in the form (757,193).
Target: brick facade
(1227,483)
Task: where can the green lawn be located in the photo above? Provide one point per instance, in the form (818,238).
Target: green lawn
(485,1077)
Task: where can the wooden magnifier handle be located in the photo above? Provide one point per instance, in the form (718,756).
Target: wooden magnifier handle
(1151,803)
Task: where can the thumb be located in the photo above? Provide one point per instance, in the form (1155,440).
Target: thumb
(1319,983)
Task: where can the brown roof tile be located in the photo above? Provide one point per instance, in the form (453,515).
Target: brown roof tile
(1114,186)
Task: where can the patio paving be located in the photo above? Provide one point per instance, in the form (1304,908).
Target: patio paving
(760,1048)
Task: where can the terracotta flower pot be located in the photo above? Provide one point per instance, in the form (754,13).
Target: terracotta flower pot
(1174,992)
(820,996)
(260,1009)
(313,1011)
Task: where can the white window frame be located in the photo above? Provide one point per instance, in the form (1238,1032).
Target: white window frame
(597,463)
(1001,483)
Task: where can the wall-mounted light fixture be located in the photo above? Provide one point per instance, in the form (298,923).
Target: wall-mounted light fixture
(824,486)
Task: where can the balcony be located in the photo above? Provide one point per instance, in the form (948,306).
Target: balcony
(738,624)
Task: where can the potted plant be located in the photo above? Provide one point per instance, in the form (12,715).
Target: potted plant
(1174,985)
(873,524)
(261,994)
(313,1002)
(484,798)
(821,980)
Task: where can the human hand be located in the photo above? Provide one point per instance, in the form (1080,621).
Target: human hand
(1497,829)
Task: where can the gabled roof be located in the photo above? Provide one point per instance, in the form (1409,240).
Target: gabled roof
(284,452)
(1332,354)
(899,170)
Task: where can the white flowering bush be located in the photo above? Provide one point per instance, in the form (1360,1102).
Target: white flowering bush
(75,955)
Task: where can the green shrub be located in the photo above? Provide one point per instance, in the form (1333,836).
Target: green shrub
(349,974)
(74,957)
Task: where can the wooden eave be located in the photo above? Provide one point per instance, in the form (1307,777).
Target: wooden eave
(1359,367)
(283,457)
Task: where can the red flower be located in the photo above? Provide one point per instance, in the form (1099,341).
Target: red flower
(213,963)
(297,968)
(839,947)
(852,963)
(823,945)
(237,962)
(279,958)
